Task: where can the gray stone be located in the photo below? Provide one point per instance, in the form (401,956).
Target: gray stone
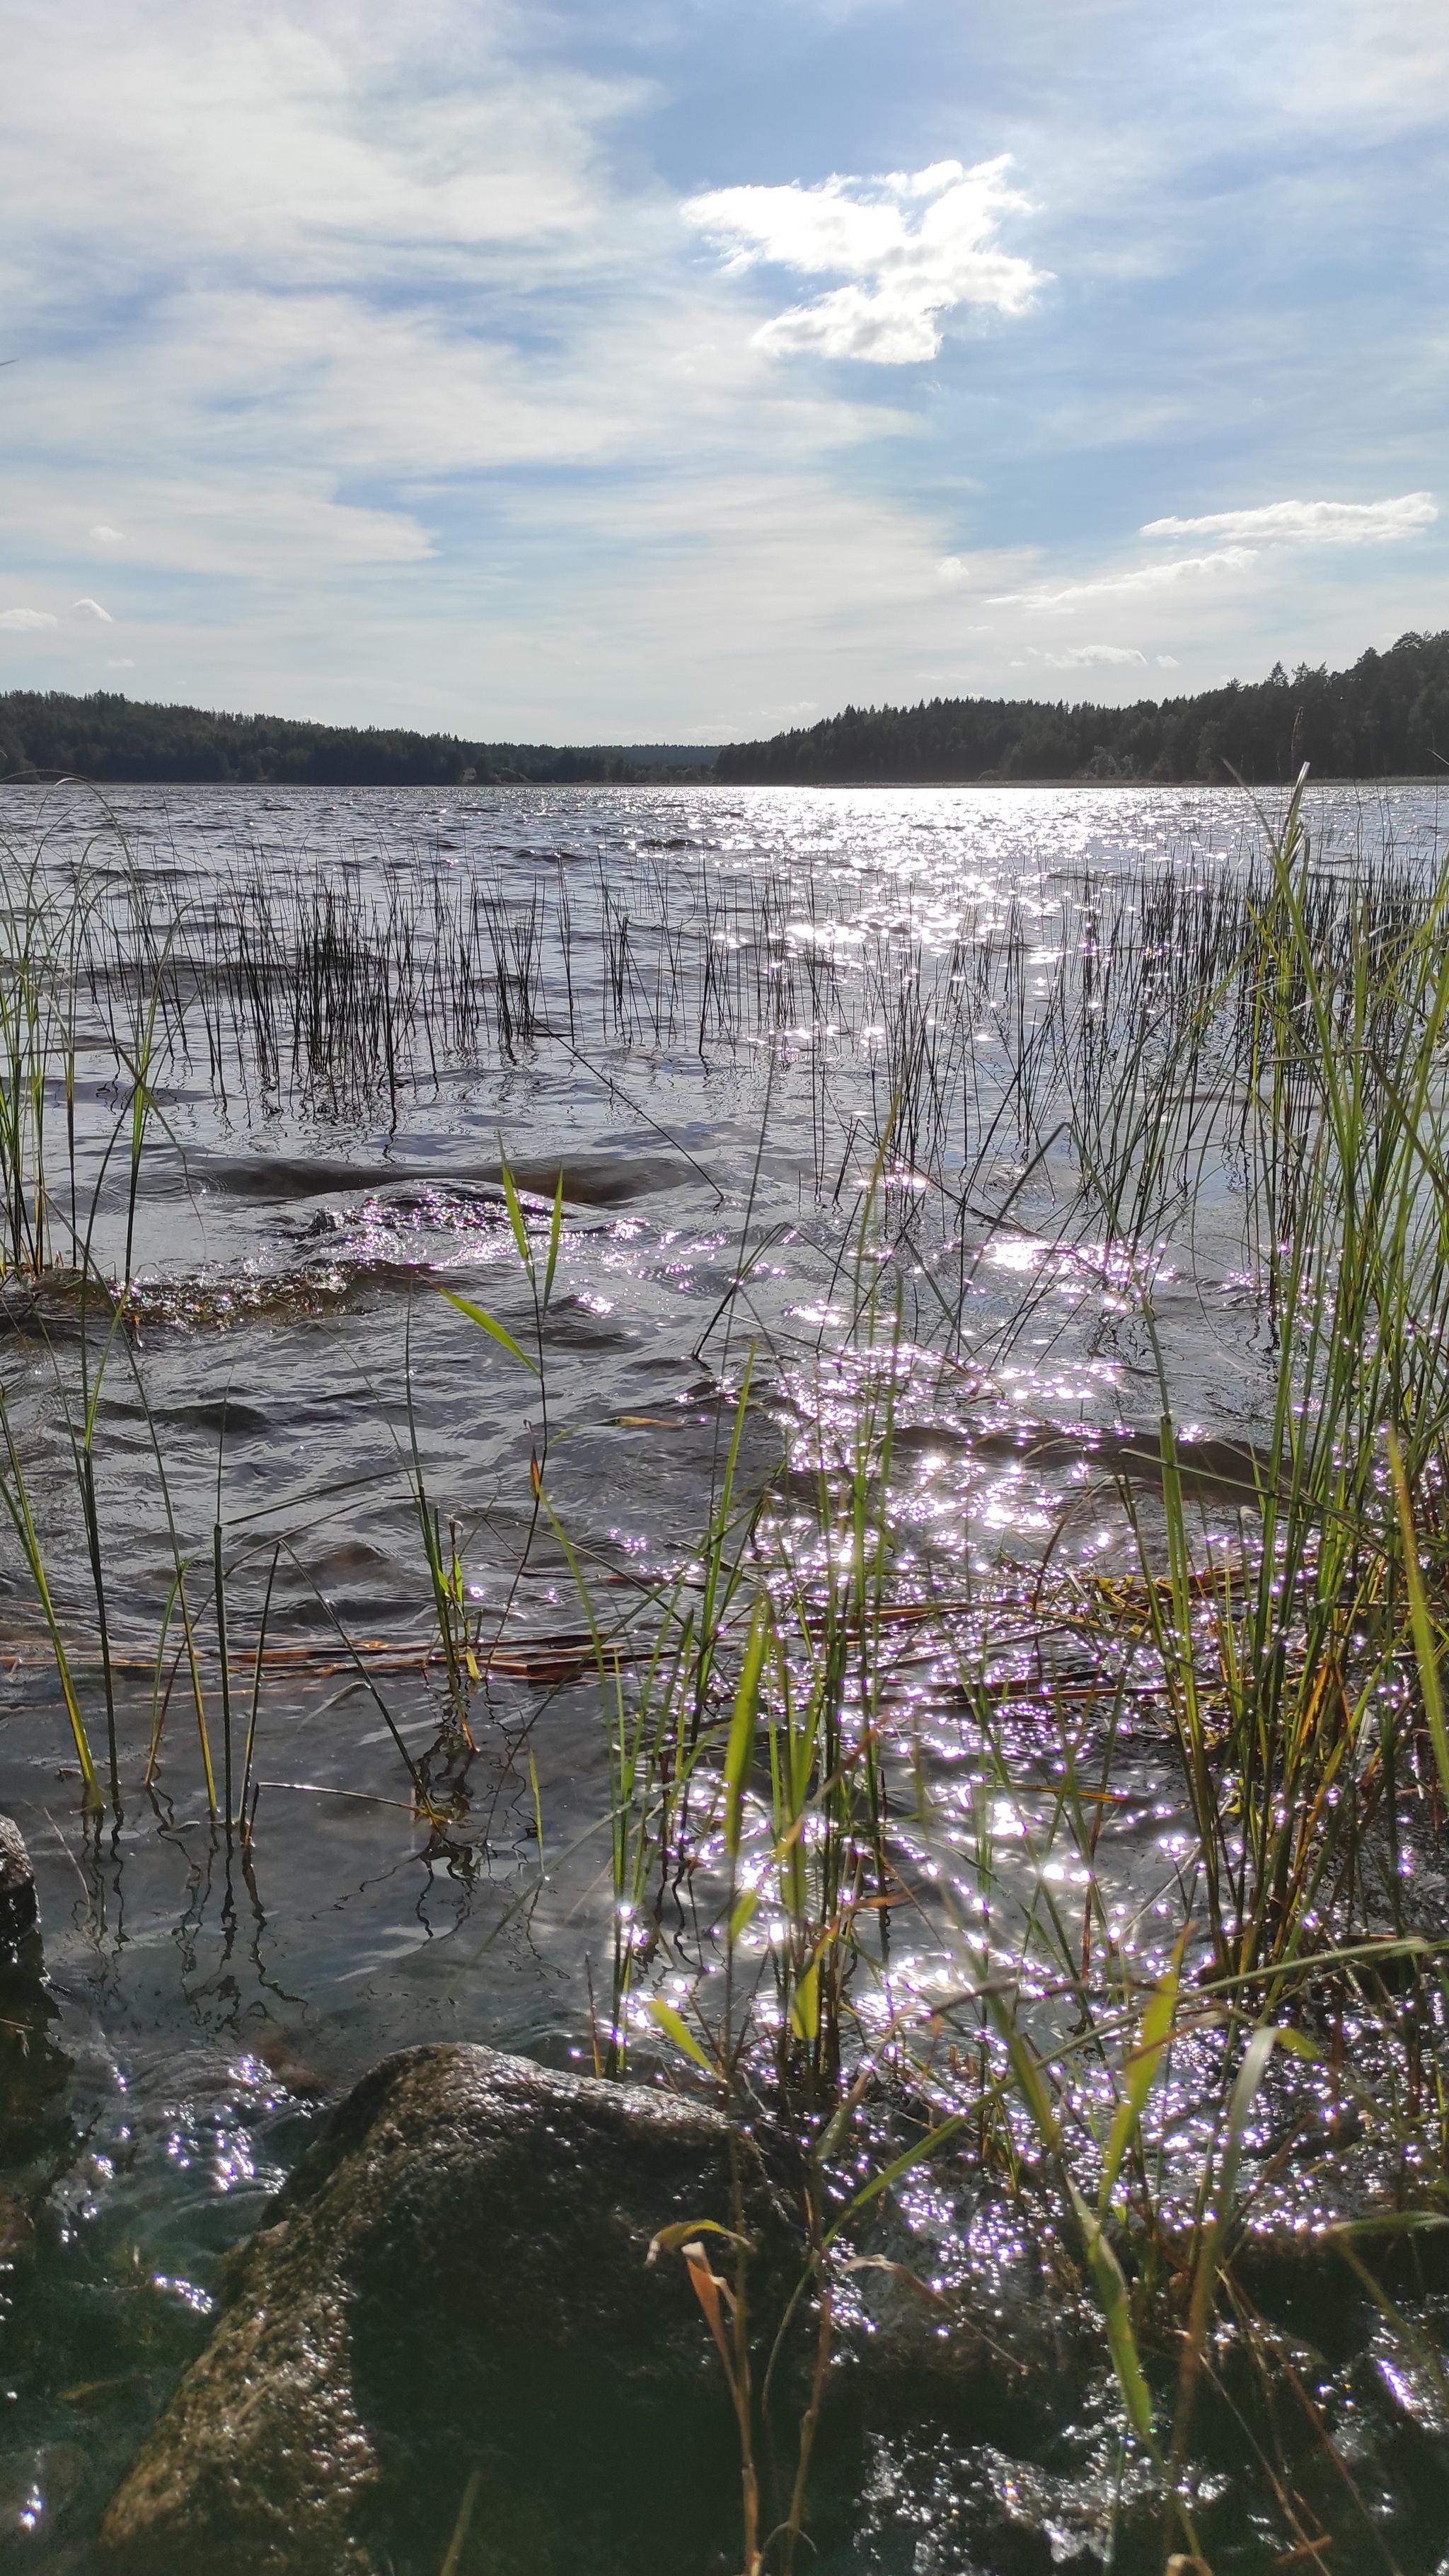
(456,2279)
(19,1909)
(32,2069)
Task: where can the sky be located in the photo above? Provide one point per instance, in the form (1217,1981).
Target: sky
(686,370)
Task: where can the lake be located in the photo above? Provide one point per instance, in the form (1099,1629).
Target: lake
(807,1070)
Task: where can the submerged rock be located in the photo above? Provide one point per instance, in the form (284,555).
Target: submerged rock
(1210,1470)
(19,1907)
(456,2280)
(32,2069)
(56,1304)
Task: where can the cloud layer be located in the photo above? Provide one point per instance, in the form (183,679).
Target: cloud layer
(364,356)
(914,248)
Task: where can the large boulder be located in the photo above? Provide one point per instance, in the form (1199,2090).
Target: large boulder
(457,2280)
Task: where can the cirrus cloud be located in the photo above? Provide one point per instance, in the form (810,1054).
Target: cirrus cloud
(1311,523)
(904,275)
(1144,577)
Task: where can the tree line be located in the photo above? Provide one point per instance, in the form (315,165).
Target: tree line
(114,739)
(1386,717)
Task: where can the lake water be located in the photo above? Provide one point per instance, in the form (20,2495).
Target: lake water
(753,1031)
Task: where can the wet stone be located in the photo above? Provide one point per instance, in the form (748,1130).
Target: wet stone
(54,1304)
(456,2281)
(33,2071)
(19,1909)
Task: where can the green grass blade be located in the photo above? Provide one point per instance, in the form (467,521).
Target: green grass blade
(489,1324)
(892,2173)
(742,1727)
(1425,1652)
(555,1234)
(674,2027)
(1147,2061)
(515,1219)
(1111,2287)
(17,1503)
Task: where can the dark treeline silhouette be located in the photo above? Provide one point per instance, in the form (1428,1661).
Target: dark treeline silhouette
(1387,717)
(114,739)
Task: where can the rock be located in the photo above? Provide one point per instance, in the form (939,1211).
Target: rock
(1231,1472)
(456,2279)
(19,1909)
(32,2069)
(290,2068)
(55,1304)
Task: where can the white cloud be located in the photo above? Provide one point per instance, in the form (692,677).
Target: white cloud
(1077,655)
(905,275)
(26,621)
(124,665)
(91,608)
(1311,523)
(366,246)
(300,144)
(1144,577)
(1167,661)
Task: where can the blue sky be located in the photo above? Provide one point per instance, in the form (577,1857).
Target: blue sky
(685,370)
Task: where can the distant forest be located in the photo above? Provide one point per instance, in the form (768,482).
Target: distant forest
(115,739)
(1387,717)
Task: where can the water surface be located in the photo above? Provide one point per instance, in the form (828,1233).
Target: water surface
(754,1032)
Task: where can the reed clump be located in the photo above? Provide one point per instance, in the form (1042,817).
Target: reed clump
(763,1868)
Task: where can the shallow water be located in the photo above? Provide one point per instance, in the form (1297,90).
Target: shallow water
(692,1007)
